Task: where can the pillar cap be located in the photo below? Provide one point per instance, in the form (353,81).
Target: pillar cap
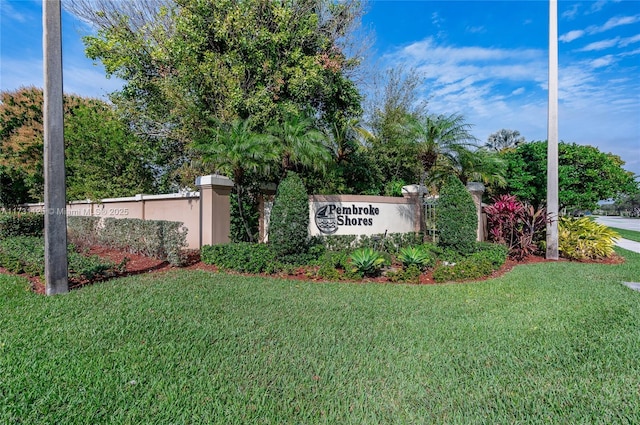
(214,180)
(475,187)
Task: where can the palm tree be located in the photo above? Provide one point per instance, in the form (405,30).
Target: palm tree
(299,143)
(233,149)
(481,165)
(439,138)
(504,139)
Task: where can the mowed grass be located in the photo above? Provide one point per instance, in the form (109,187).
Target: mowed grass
(546,343)
(628,234)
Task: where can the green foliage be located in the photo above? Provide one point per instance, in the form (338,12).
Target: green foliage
(457,219)
(160,239)
(417,256)
(366,261)
(289,221)
(243,257)
(585,175)
(494,252)
(409,274)
(582,239)
(14,186)
(21,224)
(103,157)
(471,267)
(25,254)
(82,231)
(228,60)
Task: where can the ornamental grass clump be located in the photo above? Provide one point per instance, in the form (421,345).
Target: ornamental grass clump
(584,239)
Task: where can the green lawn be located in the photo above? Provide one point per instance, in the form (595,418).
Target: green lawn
(546,343)
(627,234)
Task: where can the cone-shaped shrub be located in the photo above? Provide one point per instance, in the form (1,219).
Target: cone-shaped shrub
(289,222)
(456,217)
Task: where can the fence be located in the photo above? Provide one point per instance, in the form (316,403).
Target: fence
(207,213)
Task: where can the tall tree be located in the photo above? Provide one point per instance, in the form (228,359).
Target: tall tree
(439,138)
(300,144)
(103,157)
(190,61)
(234,150)
(504,139)
(585,175)
(394,103)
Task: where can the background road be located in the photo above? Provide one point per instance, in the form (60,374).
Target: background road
(620,222)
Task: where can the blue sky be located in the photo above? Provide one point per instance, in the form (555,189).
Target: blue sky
(486,60)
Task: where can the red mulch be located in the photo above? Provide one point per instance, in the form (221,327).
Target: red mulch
(138,264)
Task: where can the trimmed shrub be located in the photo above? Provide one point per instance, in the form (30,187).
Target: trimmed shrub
(496,253)
(517,225)
(21,224)
(582,239)
(23,254)
(154,238)
(243,257)
(82,231)
(457,219)
(289,222)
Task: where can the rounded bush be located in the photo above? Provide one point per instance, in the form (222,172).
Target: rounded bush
(456,217)
(289,222)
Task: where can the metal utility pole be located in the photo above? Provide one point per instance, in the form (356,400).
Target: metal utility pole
(55,217)
(552,135)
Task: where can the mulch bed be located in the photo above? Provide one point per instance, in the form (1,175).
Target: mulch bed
(139,264)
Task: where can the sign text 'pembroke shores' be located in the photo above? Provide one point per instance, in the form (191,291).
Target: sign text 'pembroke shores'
(329,217)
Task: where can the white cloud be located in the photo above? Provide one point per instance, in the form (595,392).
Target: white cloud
(613,23)
(629,40)
(571,13)
(571,35)
(600,45)
(8,12)
(476,30)
(507,88)
(602,62)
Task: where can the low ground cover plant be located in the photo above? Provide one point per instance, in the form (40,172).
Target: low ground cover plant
(353,262)
(25,254)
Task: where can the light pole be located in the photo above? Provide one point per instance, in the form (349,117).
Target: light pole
(55,217)
(552,136)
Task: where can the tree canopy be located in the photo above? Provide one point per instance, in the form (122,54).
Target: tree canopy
(585,175)
(188,61)
(103,157)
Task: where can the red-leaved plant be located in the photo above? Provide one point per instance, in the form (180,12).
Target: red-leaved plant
(516,224)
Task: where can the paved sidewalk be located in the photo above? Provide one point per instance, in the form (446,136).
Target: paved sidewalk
(630,245)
